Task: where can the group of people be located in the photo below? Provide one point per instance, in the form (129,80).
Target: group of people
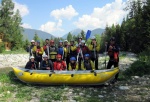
(70,56)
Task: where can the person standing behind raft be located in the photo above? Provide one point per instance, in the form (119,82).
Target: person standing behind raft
(46,47)
(46,64)
(39,52)
(52,51)
(31,64)
(113,53)
(32,53)
(60,49)
(94,48)
(66,52)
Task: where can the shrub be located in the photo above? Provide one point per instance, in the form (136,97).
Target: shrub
(141,66)
(2,47)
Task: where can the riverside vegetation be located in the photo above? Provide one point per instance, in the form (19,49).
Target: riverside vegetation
(133,85)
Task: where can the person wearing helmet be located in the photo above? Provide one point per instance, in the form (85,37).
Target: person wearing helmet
(73,65)
(31,53)
(94,48)
(46,47)
(60,49)
(52,51)
(113,53)
(59,64)
(66,52)
(46,64)
(88,64)
(38,52)
(31,64)
(81,50)
(72,49)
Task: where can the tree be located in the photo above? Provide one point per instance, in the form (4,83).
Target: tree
(6,13)
(36,38)
(69,36)
(83,35)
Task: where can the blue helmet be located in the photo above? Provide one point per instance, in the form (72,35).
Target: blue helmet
(72,59)
(86,55)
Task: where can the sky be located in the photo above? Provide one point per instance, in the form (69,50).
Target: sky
(58,17)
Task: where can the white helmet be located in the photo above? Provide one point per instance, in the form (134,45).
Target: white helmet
(83,41)
(93,37)
(31,57)
(44,56)
(32,41)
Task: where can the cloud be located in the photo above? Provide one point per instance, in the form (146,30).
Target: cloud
(109,14)
(68,13)
(22,8)
(52,27)
(25,25)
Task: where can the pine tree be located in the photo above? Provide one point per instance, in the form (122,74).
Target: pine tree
(83,35)
(69,37)
(36,38)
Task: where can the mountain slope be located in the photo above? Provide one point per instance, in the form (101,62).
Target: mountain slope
(29,34)
(78,31)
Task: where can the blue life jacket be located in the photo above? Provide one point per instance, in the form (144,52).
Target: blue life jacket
(60,51)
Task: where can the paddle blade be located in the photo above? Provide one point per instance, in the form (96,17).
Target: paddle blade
(88,34)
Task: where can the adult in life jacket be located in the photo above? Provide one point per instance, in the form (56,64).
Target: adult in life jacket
(59,64)
(66,52)
(52,51)
(60,49)
(72,49)
(46,64)
(88,64)
(46,47)
(113,53)
(94,48)
(73,65)
(31,52)
(39,52)
(81,51)
(31,64)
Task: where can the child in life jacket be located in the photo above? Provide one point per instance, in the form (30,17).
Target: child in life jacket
(59,64)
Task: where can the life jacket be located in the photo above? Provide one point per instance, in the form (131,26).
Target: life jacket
(73,65)
(53,52)
(114,56)
(87,65)
(46,64)
(33,66)
(73,50)
(84,50)
(59,65)
(60,51)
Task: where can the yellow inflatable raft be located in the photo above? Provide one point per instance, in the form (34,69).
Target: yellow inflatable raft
(47,77)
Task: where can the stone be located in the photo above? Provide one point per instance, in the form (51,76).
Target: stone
(100,96)
(124,87)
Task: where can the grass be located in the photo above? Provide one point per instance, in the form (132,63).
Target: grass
(21,51)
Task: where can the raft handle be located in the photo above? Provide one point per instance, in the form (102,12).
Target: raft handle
(72,75)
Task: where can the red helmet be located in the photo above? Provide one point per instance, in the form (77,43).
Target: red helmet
(58,56)
(51,41)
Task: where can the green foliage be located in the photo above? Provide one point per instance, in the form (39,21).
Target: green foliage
(10,22)
(134,32)
(36,38)
(140,67)
(83,35)
(2,47)
(69,37)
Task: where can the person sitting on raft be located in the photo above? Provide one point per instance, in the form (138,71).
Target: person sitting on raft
(46,64)
(59,64)
(88,64)
(31,64)
(73,65)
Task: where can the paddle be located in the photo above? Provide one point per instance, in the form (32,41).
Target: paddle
(105,53)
